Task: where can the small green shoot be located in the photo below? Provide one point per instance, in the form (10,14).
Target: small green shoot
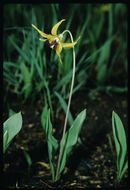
(28,159)
(110,143)
(120,144)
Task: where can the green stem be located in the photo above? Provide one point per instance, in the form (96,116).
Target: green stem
(68,107)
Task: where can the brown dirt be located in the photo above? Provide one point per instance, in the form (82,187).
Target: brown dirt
(91,164)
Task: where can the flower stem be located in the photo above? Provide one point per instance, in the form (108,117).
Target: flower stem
(68,107)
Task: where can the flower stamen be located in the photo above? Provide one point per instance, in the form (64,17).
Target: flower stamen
(54,44)
(55,40)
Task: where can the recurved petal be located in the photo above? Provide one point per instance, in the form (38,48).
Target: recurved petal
(58,51)
(48,36)
(44,40)
(55,27)
(69,45)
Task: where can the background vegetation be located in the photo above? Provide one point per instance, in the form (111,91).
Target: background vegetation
(32,72)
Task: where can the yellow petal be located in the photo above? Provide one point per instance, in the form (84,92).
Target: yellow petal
(69,45)
(60,36)
(52,39)
(55,27)
(58,51)
(48,36)
(43,39)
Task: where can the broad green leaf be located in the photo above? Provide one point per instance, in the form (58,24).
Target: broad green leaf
(71,138)
(123,170)
(52,142)
(12,126)
(11,112)
(120,142)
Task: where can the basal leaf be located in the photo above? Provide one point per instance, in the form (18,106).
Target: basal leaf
(123,170)
(120,142)
(71,138)
(12,126)
(11,112)
(52,142)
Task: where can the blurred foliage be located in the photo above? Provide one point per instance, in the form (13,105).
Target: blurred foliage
(32,70)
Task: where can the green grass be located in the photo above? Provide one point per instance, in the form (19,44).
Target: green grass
(32,70)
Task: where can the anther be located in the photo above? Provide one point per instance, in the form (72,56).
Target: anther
(54,43)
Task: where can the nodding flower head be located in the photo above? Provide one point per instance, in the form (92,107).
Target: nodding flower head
(55,40)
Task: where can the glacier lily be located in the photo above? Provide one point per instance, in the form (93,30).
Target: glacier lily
(69,138)
(55,40)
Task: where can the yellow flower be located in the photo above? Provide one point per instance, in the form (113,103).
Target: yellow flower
(55,40)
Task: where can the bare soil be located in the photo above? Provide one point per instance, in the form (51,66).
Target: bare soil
(91,164)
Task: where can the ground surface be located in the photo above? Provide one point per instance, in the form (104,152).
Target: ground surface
(91,164)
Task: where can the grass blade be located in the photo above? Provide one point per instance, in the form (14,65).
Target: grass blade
(64,106)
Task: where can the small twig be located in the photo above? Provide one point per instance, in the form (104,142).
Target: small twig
(47,184)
